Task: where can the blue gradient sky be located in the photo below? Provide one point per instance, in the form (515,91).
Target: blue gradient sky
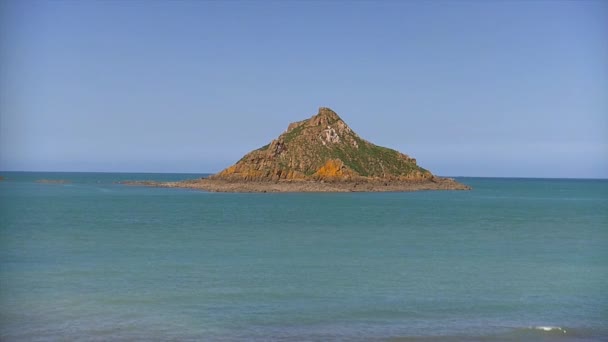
(467,87)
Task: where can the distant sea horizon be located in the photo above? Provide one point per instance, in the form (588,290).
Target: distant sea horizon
(211,173)
(514,259)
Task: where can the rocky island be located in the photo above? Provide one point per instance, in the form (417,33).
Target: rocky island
(319,154)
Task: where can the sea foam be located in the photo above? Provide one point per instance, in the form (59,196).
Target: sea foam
(550,328)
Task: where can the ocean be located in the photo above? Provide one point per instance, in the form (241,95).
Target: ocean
(511,260)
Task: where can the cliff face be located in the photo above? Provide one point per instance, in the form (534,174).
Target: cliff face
(323,147)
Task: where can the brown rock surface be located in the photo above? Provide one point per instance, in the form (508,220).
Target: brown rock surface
(215,185)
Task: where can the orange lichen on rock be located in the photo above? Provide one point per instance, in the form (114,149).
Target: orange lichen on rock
(334,169)
(228,171)
(295,175)
(256,172)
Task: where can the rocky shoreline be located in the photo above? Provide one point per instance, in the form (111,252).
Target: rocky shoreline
(217,185)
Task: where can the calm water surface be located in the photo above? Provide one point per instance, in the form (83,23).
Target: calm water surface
(512,260)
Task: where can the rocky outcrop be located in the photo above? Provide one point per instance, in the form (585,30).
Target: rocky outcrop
(325,148)
(218,185)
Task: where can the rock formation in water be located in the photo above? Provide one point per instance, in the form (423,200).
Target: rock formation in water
(323,148)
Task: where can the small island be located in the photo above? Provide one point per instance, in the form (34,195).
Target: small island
(319,154)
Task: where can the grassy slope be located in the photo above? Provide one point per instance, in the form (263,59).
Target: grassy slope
(367,159)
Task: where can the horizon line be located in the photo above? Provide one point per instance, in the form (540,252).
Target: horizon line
(210,173)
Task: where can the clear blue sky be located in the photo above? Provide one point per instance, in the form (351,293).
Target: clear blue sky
(474,88)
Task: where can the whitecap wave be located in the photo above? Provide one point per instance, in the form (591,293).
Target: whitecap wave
(549,328)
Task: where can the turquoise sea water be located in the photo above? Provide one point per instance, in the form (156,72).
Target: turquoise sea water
(511,260)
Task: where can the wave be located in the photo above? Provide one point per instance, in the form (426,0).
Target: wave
(514,334)
(549,328)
